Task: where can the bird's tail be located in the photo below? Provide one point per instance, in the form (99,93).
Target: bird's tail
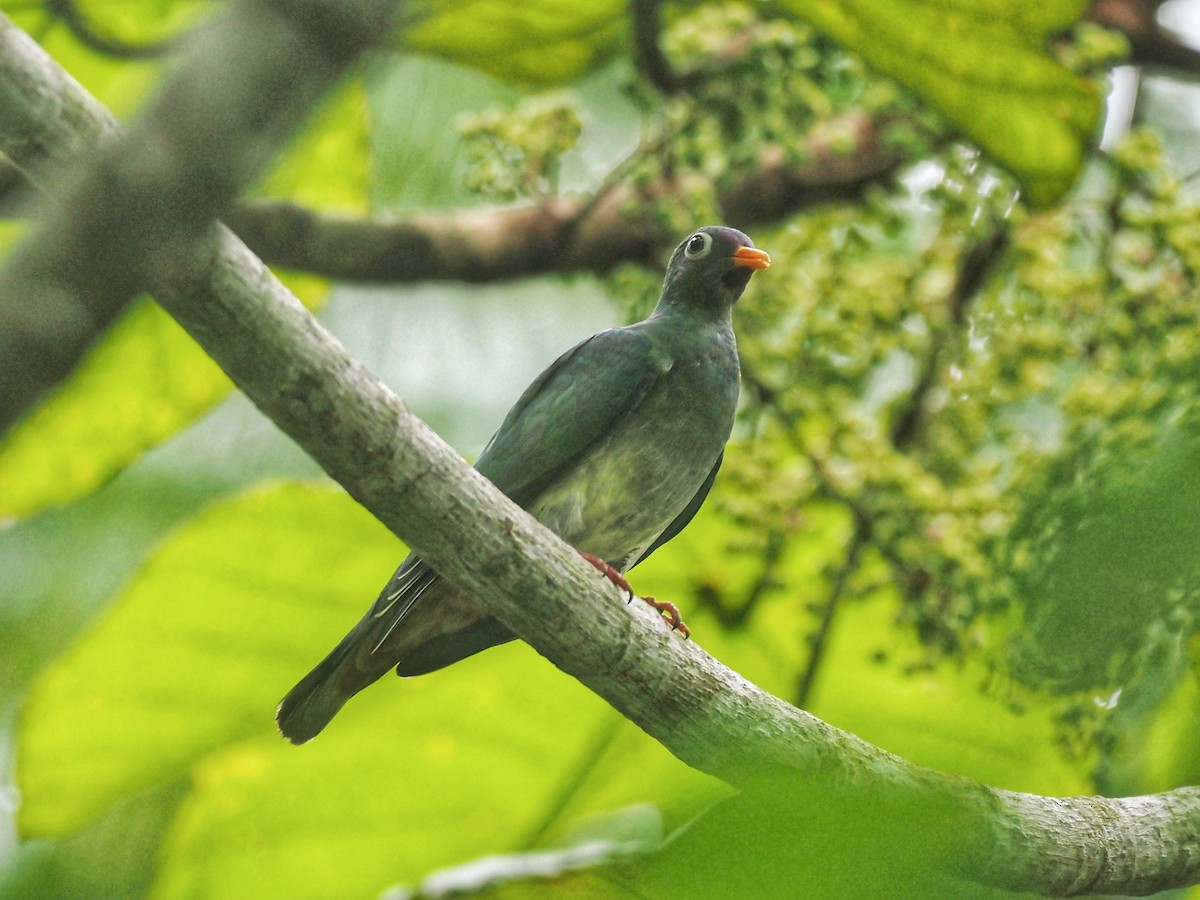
(397,632)
(316,699)
(373,646)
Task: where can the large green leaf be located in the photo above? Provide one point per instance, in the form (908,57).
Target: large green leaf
(986,66)
(144,381)
(541,42)
(183,674)
(196,651)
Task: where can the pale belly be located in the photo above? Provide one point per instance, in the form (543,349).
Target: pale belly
(620,498)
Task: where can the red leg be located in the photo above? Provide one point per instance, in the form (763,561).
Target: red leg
(669,611)
(608,572)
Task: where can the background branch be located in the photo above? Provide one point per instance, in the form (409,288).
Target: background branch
(559,234)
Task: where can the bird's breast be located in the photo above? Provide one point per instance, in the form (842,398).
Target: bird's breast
(625,492)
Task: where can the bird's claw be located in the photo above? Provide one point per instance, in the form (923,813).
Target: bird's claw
(669,611)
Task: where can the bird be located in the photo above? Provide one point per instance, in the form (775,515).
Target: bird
(614,447)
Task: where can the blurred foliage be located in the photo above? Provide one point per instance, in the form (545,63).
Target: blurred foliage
(517,154)
(146,379)
(957,517)
(1019,455)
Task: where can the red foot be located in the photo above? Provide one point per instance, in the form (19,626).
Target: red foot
(669,611)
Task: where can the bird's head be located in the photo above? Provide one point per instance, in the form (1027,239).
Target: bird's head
(711,268)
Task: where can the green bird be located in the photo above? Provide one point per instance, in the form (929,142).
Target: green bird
(614,448)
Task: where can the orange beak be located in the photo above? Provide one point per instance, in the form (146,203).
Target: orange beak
(751,258)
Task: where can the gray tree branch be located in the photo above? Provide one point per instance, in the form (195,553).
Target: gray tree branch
(706,714)
(149,193)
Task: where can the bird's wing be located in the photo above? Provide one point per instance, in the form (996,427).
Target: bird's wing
(568,408)
(571,406)
(680,521)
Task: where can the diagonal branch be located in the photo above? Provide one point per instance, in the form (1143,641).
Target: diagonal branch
(707,715)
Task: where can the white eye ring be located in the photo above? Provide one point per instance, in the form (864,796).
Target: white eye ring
(698,245)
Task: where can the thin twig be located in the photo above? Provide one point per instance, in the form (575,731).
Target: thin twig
(651,63)
(974,267)
(72,16)
(837,590)
(593,751)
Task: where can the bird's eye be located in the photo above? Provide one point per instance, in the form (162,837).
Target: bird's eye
(697,245)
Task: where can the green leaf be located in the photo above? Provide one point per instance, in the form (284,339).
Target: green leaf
(986,67)
(815,840)
(196,651)
(811,839)
(542,42)
(182,676)
(144,381)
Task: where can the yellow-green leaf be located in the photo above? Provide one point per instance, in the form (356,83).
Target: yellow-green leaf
(183,675)
(986,66)
(540,42)
(197,650)
(145,380)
